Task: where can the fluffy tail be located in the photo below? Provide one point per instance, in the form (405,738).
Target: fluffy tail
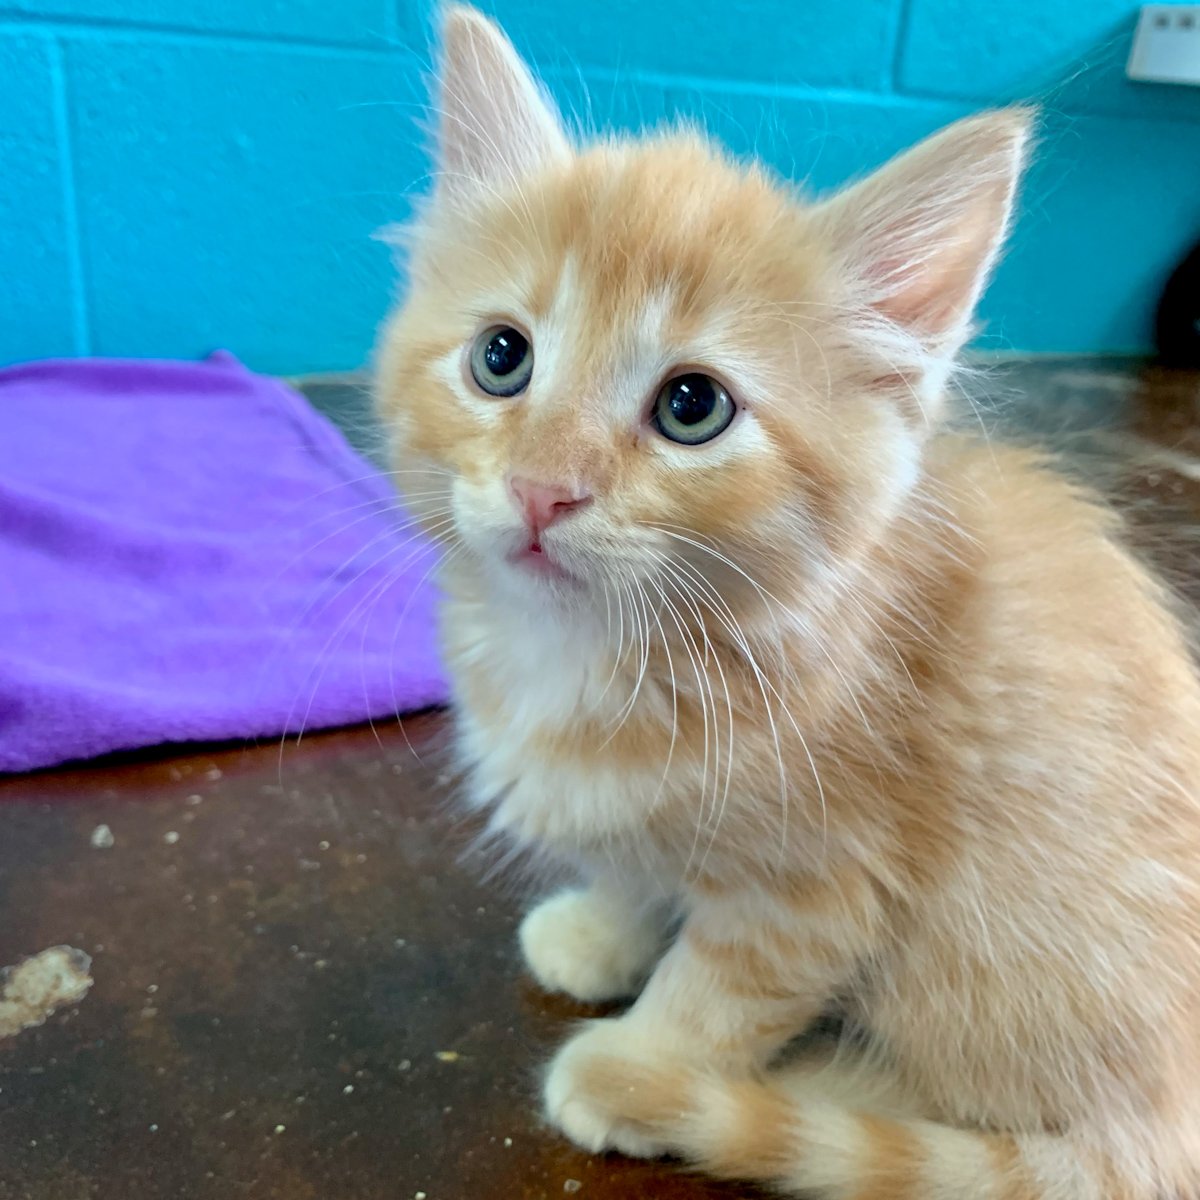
(803,1134)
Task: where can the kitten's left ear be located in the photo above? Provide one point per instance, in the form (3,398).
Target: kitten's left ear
(495,125)
(921,235)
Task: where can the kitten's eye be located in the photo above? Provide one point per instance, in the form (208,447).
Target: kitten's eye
(692,409)
(502,361)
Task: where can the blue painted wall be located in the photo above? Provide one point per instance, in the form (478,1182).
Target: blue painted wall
(177,175)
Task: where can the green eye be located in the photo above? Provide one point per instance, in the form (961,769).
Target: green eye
(502,361)
(692,409)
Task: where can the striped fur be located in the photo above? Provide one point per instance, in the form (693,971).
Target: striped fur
(842,710)
(790,1133)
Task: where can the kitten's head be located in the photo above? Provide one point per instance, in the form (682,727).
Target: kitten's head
(639,363)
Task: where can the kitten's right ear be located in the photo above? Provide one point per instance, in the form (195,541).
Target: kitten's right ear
(494,124)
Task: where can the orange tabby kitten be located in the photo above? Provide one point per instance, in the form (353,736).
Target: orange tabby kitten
(869,717)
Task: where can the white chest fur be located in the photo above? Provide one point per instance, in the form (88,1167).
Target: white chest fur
(550,673)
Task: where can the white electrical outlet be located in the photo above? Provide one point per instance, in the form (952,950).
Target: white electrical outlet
(1166,46)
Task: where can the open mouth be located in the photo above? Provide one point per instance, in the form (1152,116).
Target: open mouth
(533,557)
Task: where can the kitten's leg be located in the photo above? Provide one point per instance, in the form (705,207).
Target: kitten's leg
(743,977)
(595,943)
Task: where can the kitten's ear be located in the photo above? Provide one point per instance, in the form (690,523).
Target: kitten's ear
(921,235)
(494,125)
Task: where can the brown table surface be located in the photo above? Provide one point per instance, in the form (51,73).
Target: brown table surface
(303,989)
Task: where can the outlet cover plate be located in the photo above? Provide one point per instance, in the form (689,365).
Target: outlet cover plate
(1166,46)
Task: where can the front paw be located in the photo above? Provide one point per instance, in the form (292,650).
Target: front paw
(595,1092)
(577,943)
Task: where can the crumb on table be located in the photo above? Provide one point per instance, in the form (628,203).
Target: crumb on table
(37,987)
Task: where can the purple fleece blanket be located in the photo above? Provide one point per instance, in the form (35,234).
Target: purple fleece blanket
(189,552)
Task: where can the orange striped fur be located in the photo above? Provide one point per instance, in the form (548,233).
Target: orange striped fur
(839,711)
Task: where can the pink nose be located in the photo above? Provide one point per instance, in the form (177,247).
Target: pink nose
(542,504)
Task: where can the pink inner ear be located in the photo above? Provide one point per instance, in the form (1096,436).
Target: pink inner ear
(938,290)
(937,295)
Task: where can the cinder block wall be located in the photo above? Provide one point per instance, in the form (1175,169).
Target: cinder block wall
(184,174)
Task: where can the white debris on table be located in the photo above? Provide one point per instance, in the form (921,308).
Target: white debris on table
(36,988)
(102,837)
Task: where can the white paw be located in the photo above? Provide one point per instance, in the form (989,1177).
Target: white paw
(577,943)
(583,1094)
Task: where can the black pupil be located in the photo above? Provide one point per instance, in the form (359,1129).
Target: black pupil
(505,352)
(692,399)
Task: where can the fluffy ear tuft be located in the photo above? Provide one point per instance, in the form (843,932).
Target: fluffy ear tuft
(920,236)
(494,124)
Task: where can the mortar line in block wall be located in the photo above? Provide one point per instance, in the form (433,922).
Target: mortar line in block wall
(51,26)
(945,104)
(80,317)
(900,33)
